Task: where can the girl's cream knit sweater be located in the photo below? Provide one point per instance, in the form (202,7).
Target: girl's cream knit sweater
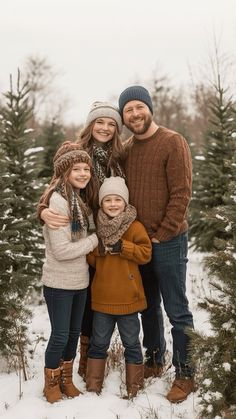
(65,266)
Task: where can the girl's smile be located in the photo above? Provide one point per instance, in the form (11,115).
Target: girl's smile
(80,175)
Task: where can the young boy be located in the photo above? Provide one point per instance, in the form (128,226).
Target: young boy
(117,290)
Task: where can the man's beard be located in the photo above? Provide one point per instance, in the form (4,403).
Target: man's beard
(146,122)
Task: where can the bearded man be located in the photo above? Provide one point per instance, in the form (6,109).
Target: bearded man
(159,177)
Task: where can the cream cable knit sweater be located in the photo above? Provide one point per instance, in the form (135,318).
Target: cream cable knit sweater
(65,266)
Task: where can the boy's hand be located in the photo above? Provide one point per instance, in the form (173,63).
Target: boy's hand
(116,248)
(101,249)
(53,219)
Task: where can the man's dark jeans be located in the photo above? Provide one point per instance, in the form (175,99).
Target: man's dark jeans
(129,328)
(165,277)
(65,309)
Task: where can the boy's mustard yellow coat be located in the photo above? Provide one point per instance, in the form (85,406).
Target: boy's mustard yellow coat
(117,285)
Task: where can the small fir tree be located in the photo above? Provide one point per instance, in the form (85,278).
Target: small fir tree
(212,175)
(216,353)
(21,240)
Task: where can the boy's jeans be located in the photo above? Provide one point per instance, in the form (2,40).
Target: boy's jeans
(129,328)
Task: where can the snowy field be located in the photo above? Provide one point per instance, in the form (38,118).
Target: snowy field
(151,402)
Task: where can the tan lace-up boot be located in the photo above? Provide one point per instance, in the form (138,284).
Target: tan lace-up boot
(52,390)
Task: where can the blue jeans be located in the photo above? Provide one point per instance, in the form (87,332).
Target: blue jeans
(129,328)
(165,277)
(87,323)
(65,309)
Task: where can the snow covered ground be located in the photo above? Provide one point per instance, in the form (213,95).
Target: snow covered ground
(150,404)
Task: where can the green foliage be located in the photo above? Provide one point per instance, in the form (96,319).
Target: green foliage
(213,173)
(21,239)
(213,228)
(215,353)
(50,139)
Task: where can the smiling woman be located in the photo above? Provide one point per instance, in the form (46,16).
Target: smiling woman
(101,139)
(104,129)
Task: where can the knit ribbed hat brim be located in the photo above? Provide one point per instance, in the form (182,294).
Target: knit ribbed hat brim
(67,155)
(135,93)
(114,185)
(104,110)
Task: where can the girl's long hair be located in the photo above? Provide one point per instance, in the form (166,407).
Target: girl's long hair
(89,194)
(86,141)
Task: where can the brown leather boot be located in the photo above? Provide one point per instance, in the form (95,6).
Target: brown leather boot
(67,386)
(134,379)
(155,370)
(95,374)
(180,389)
(52,390)
(84,345)
(152,368)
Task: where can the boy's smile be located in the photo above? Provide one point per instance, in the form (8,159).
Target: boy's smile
(113,205)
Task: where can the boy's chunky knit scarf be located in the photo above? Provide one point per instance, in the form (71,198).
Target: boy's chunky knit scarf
(101,156)
(79,213)
(110,230)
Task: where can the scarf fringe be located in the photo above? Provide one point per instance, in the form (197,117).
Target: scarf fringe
(79,213)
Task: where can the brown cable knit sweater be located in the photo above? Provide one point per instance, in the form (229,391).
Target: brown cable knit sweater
(159,177)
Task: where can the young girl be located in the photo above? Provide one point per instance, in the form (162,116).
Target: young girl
(101,139)
(65,271)
(117,290)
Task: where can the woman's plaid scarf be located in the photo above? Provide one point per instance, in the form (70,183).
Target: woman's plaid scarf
(100,157)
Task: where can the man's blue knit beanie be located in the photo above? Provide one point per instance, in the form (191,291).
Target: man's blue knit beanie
(135,93)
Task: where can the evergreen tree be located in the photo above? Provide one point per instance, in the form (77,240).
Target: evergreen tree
(212,175)
(216,353)
(50,139)
(21,253)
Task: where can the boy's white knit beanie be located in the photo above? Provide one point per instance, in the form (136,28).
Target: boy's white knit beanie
(114,185)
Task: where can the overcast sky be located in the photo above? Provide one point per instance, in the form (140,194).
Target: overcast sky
(99,47)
